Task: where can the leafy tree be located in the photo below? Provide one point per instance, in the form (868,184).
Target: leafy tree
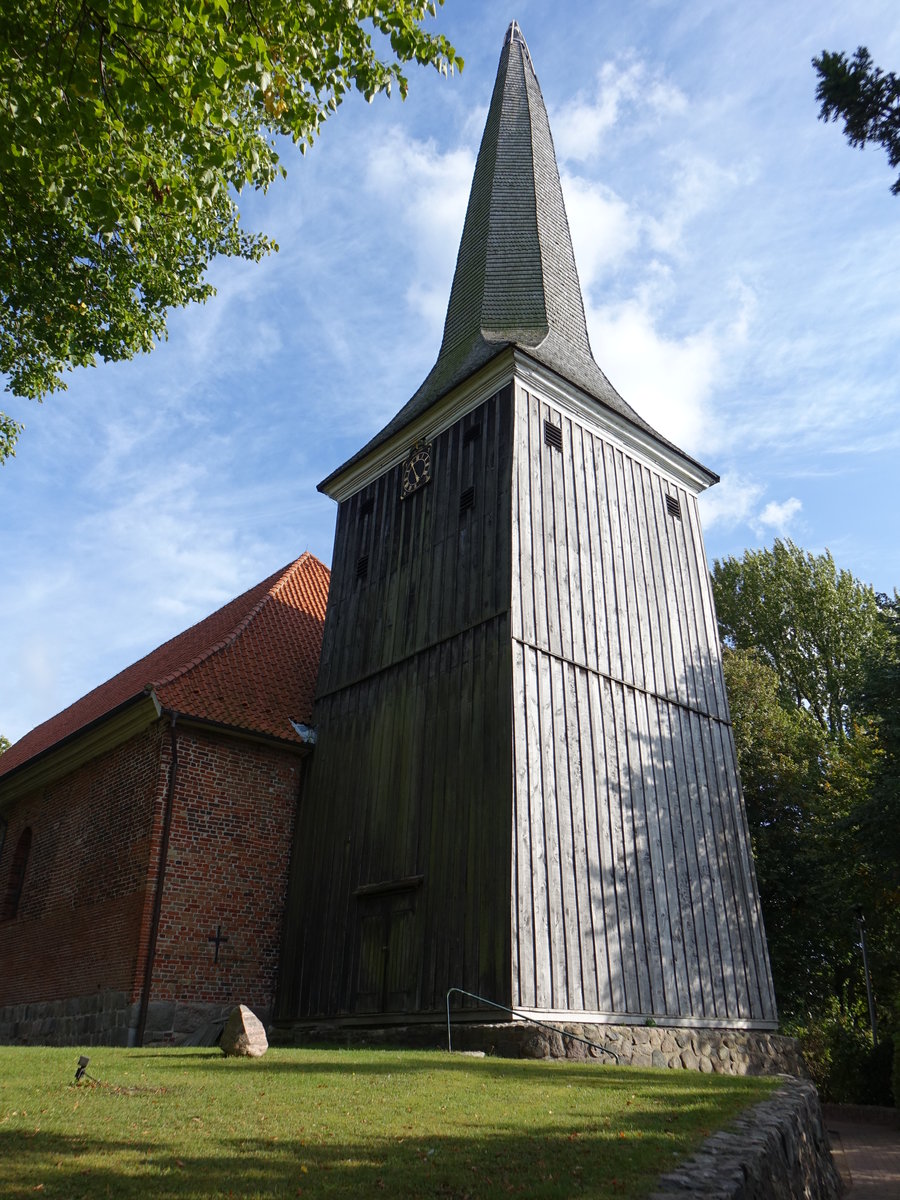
(127,128)
(817,627)
(779,751)
(880,697)
(866,97)
(801,641)
(874,825)
(5,743)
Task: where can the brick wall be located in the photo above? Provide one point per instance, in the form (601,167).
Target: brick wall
(229,849)
(76,931)
(73,957)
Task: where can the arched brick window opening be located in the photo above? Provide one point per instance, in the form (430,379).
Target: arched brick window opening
(16,877)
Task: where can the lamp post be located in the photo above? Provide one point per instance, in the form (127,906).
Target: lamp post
(861,925)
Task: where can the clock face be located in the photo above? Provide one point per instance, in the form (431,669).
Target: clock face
(416,470)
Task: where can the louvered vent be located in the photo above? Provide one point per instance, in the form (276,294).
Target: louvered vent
(472,434)
(362,566)
(553,435)
(466,500)
(673,506)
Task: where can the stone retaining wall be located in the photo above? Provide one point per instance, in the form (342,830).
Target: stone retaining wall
(718,1051)
(777,1150)
(170,1022)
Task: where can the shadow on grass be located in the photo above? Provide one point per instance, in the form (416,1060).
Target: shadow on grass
(544,1163)
(338,1063)
(486,1149)
(327,1123)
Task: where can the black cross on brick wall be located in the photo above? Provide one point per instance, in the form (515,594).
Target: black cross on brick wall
(218,939)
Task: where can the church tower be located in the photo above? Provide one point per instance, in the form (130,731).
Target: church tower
(524,783)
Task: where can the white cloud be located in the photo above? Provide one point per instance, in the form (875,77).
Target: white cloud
(698,185)
(428,189)
(731,502)
(668,381)
(777,516)
(605,230)
(735,501)
(580,126)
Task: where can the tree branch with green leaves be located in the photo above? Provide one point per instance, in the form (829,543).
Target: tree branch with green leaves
(128,130)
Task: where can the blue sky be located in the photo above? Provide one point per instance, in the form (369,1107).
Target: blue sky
(739,263)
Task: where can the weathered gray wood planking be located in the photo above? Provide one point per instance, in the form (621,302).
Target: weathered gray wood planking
(430,569)
(521,700)
(633,884)
(411,777)
(397,820)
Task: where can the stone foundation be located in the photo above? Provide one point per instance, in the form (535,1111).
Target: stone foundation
(171,1022)
(100,1019)
(713,1051)
(106,1019)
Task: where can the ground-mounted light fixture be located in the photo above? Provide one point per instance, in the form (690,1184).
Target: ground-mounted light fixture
(81,1068)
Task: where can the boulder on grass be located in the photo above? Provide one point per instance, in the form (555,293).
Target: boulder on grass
(244,1034)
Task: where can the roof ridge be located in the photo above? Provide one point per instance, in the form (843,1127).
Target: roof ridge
(239,629)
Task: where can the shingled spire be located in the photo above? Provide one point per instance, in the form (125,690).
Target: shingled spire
(516,282)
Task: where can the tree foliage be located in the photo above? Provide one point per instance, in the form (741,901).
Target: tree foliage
(5,743)
(817,627)
(867,98)
(779,749)
(127,128)
(807,660)
(875,822)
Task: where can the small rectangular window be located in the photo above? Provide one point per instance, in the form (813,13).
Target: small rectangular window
(472,434)
(553,435)
(673,506)
(362,566)
(466,500)
(367,507)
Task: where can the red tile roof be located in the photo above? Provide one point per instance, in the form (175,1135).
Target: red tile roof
(252,665)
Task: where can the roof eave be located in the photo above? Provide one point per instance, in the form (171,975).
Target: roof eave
(243,733)
(75,749)
(509,362)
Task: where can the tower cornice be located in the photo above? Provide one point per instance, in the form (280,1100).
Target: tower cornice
(512,363)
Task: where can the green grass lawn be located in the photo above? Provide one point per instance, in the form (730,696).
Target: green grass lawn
(310,1123)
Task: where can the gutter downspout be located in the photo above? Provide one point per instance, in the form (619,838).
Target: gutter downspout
(160,881)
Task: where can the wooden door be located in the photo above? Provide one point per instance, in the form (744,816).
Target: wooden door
(387,961)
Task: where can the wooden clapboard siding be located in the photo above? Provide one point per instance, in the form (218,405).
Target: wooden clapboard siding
(632,883)
(524,740)
(411,776)
(648,914)
(439,810)
(432,571)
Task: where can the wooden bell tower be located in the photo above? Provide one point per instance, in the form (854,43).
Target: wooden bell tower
(525,782)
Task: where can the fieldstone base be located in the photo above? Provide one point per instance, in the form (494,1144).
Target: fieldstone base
(714,1051)
(100,1019)
(777,1150)
(107,1019)
(172,1022)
